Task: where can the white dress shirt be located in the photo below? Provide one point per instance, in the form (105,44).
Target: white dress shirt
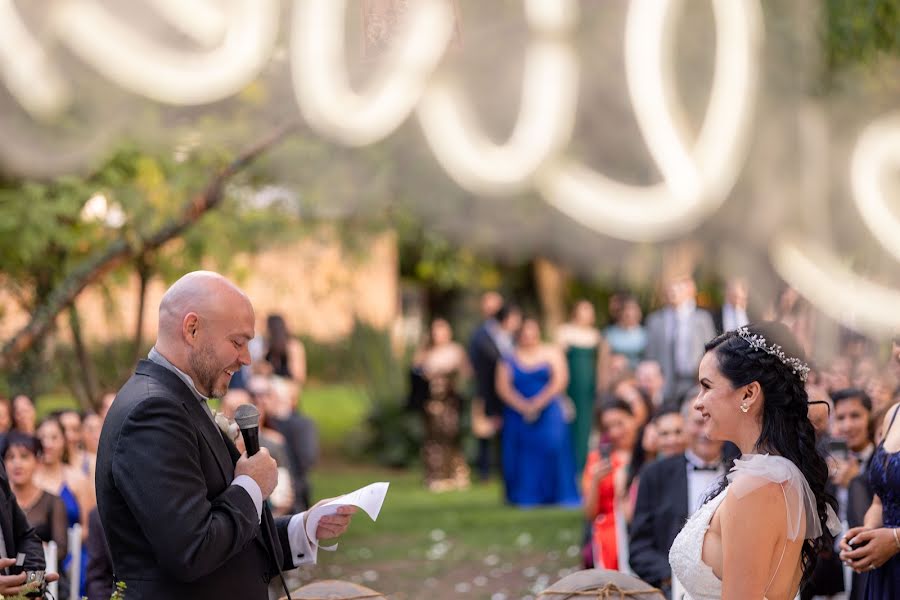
(733,317)
(700,483)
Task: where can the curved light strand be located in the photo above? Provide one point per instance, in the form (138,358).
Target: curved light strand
(697,182)
(834,289)
(546,115)
(29,75)
(877,149)
(166,75)
(320,74)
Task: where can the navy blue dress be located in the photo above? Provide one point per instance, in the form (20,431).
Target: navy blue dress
(884,477)
(538,463)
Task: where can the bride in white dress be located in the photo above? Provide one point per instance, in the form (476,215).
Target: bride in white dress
(759,534)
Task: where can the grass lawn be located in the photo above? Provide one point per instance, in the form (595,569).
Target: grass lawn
(447,545)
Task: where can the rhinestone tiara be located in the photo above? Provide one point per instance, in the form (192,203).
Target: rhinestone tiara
(798,367)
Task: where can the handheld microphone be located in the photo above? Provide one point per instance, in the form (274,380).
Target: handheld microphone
(247,418)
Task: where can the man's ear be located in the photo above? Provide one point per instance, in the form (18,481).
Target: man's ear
(190,327)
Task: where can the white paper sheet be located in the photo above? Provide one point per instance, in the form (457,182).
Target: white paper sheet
(369,498)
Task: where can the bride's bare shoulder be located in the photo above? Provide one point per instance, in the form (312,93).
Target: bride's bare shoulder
(754,504)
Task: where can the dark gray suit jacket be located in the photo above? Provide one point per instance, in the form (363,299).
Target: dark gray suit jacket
(175,526)
(660,512)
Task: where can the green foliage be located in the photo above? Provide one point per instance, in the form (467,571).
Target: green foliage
(45,233)
(857,35)
(431,259)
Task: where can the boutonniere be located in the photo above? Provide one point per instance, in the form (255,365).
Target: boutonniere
(228,426)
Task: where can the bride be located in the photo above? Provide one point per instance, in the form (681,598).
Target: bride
(758,535)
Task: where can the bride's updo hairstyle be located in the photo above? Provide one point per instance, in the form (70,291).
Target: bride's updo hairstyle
(786,429)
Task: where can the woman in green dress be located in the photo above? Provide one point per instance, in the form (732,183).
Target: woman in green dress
(583,345)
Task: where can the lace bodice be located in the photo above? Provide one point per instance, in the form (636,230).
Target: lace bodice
(688,567)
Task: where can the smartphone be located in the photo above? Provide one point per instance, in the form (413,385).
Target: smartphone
(838,449)
(605,450)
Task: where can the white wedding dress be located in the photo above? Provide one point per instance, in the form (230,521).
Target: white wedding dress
(749,473)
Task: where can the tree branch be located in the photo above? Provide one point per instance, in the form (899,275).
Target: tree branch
(120,251)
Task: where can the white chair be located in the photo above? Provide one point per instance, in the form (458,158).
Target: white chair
(75,565)
(51,557)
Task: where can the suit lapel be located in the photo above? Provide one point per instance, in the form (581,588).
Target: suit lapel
(680,492)
(212,435)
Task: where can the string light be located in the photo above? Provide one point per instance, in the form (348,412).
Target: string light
(320,74)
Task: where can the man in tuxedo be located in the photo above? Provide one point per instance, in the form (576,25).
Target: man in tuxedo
(733,313)
(182,509)
(676,336)
(669,491)
(491,341)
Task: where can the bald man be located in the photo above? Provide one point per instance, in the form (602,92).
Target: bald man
(182,509)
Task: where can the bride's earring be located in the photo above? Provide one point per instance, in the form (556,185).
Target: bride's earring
(745,408)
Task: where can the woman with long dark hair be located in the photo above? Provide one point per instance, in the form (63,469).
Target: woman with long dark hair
(759,533)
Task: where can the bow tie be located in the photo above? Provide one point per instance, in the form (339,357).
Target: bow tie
(704,467)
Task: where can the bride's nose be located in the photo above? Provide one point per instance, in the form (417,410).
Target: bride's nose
(698,404)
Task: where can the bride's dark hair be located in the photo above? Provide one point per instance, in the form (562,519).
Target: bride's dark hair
(786,428)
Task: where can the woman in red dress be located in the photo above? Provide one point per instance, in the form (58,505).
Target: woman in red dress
(604,483)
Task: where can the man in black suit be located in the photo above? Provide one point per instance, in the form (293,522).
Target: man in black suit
(669,491)
(182,509)
(491,341)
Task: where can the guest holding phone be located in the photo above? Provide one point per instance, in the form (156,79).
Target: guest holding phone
(604,484)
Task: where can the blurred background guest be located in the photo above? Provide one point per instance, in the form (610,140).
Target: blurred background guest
(626,335)
(489,344)
(56,476)
(299,431)
(604,485)
(445,367)
(45,511)
(284,353)
(583,346)
(538,464)
(733,313)
(649,378)
(71,421)
(24,417)
(671,439)
(676,336)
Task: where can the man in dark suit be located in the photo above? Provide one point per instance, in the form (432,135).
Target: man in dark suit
(669,491)
(491,341)
(182,509)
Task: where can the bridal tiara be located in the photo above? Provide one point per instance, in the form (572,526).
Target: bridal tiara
(799,368)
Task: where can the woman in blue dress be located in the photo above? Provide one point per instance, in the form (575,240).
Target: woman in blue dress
(538,463)
(66,481)
(878,540)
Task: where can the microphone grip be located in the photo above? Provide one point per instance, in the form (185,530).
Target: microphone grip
(251,440)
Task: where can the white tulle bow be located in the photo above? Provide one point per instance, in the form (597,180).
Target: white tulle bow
(752,471)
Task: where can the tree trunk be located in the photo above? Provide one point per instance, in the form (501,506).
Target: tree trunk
(122,250)
(143,271)
(86,376)
(551,280)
